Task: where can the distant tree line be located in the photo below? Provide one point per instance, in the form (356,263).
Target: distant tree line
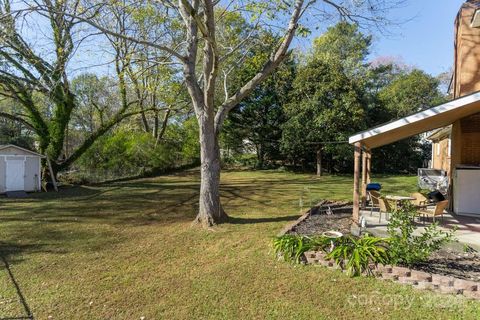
(138,120)
(303,115)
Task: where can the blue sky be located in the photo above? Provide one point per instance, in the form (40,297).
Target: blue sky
(427,40)
(424,41)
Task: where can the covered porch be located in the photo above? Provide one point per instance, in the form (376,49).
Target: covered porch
(468,228)
(450,113)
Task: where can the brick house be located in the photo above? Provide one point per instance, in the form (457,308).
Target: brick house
(454,126)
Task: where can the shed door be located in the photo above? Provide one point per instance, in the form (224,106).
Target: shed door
(15,175)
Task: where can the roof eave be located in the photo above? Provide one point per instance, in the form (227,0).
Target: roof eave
(23,149)
(419,122)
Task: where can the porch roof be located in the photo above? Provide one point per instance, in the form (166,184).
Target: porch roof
(420,122)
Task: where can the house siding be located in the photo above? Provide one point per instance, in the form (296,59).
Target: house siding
(31,174)
(467,52)
(465,138)
(12,151)
(471,140)
(3,176)
(440,154)
(32,178)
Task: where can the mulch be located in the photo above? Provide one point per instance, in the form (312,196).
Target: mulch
(451,263)
(326,216)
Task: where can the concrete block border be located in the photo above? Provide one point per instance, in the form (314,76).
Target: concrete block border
(418,279)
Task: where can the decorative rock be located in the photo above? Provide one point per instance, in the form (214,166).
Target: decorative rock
(465,285)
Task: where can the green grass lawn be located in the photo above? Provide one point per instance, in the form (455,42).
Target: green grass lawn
(127,250)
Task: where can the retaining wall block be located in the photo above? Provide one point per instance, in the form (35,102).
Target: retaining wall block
(449,289)
(401,271)
(320,255)
(407,280)
(384,269)
(310,257)
(440,280)
(425,285)
(472,294)
(465,285)
(326,263)
(421,275)
(389,276)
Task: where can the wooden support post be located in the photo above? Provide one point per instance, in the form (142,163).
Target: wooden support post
(356,183)
(364,179)
(52,175)
(369,165)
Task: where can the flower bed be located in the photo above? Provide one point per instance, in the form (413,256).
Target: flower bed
(325,216)
(445,271)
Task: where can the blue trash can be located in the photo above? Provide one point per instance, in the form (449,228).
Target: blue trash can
(374,186)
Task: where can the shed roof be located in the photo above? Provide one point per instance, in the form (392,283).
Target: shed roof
(420,122)
(440,134)
(5,146)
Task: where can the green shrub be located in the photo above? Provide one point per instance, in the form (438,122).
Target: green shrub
(124,153)
(408,249)
(356,254)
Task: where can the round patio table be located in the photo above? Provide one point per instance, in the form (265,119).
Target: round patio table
(399,200)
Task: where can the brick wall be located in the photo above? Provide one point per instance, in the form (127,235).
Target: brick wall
(467,52)
(440,155)
(471,140)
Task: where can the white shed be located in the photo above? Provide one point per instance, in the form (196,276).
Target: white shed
(20,169)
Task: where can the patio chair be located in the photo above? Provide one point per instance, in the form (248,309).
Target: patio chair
(420,200)
(385,208)
(435,212)
(374,197)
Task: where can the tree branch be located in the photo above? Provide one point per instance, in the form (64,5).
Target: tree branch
(87,143)
(267,69)
(17,119)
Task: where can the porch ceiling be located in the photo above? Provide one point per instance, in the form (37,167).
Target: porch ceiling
(420,122)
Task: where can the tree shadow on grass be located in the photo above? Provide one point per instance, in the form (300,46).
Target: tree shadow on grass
(7,250)
(236,220)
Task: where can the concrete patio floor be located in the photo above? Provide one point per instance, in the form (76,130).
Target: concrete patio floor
(468,228)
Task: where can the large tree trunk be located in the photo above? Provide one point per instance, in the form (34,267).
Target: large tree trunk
(260,156)
(210,207)
(319,161)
